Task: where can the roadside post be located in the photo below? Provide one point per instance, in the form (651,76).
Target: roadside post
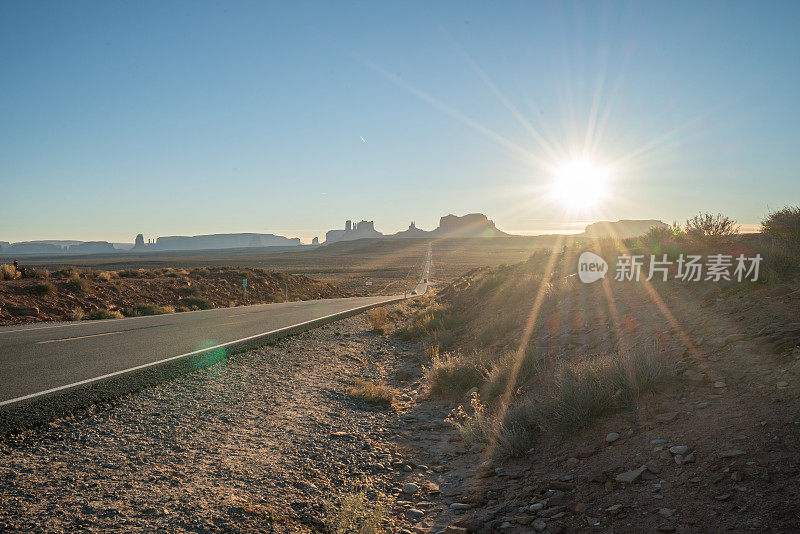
(244,287)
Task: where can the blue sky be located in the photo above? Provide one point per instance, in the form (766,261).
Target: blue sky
(203,117)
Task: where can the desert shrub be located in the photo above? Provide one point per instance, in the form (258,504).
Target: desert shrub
(371,392)
(148,309)
(781,259)
(98,314)
(452,375)
(377,318)
(576,394)
(76,314)
(68,272)
(45,289)
(106,276)
(474,425)
(30,272)
(783,225)
(351,515)
(77,285)
(499,374)
(705,228)
(129,273)
(661,239)
(426,321)
(197,303)
(188,291)
(8,272)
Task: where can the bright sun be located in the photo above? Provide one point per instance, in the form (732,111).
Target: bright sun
(579,184)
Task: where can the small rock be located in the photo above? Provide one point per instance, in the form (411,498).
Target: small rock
(614,508)
(737,476)
(612,437)
(679,449)
(460,506)
(689,458)
(539,525)
(783,384)
(666,417)
(666,512)
(576,507)
(722,497)
(452,529)
(658,441)
(731,453)
(665,528)
(535,507)
(702,405)
(410,488)
(415,513)
(720,384)
(562,486)
(629,477)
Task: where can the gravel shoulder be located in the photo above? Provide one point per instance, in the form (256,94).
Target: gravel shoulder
(258,442)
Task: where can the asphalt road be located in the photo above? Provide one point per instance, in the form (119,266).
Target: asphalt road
(37,359)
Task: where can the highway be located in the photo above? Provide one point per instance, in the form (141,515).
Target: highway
(40,359)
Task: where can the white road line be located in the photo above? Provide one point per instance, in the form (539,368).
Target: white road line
(171,358)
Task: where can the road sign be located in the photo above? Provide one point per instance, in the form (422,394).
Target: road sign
(244,282)
(369,283)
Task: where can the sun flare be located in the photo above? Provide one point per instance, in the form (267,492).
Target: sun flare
(579,184)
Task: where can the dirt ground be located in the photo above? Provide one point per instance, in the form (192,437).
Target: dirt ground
(63,294)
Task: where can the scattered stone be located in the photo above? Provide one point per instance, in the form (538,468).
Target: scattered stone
(452,529)
(614,508)
(666,512)
(694,376)
(460,506)
(679,449)
(658,441)
(612,437)
(598,479)
(665,528)
(702,405)
(535,507)
(689,458)
(737,476)
(720,384)
(783,384)
(722,497)
(629,477)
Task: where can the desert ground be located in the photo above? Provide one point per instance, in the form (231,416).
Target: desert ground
(512,399)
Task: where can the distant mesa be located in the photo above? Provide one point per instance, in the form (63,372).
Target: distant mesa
(471,225)
(222,241)
(413,231)
(359,230)
(315,241)
(91,247)
(623,228)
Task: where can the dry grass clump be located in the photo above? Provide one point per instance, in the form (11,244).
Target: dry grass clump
(576,394)
(8,272)
(148,309)
(106,276)
(96,315)
(371,392)
(45,289)
(76,314)
(76,285)
(352,516)
(453,374)
(378,319)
